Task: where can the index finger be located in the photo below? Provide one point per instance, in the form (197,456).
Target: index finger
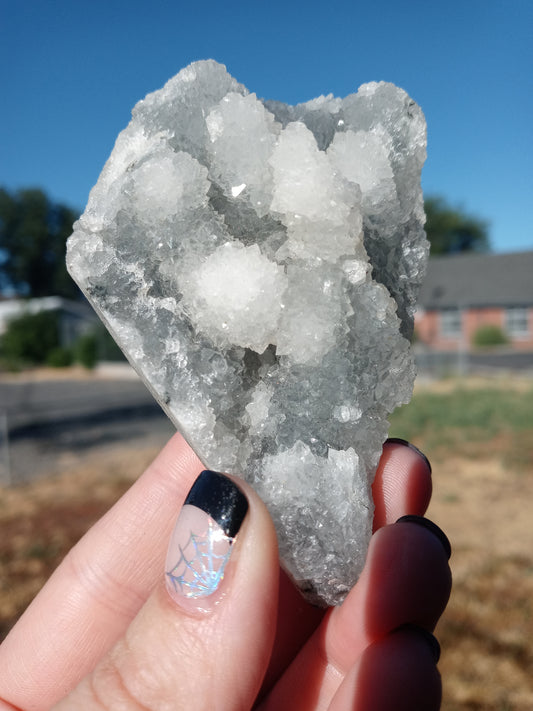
(99,587)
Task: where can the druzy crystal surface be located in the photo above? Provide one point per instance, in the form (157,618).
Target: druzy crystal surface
(258,263)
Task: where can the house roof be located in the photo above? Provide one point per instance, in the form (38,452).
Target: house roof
(478,280)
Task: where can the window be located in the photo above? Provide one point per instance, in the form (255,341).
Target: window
(450,323)
(516,321)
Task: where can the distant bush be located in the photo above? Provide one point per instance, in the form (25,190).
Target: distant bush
(489,335)
(35,339)
(86,350)
(60,357)
(29,339)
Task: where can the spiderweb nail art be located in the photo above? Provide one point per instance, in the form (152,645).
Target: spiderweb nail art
(200,568)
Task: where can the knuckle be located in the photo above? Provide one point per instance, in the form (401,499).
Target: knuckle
(100,586)
(112,684)
(133,677)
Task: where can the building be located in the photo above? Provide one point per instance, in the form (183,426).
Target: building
(462,293)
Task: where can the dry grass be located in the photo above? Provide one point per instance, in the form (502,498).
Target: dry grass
(487,629)
(482,495)
(41,521)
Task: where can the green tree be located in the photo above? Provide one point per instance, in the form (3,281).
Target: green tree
(33,234)
(451,230)
(30,338)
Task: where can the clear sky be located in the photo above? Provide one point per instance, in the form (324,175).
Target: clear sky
(71,72)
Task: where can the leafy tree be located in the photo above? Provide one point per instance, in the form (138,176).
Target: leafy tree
(33,234)
(450,230)
(30,338)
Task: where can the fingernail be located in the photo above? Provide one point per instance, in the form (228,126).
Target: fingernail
(203,537)
(431,640)
(405,443)
(430,526)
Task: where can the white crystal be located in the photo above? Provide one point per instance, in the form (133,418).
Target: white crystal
(234,297)
(305,183)
(259,265)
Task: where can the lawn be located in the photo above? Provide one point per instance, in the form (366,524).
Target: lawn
(476,418)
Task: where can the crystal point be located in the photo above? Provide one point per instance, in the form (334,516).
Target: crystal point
(259,264)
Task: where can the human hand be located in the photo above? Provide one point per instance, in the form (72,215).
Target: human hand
(105,634)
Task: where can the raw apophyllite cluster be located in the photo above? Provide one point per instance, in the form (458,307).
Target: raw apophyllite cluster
(259,263)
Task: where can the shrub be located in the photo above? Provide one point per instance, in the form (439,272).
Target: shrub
(29,339)
(489,335)
(86,350)
(59,357)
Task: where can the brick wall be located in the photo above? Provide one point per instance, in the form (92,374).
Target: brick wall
(444,330)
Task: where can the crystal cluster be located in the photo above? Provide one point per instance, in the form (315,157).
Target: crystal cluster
(258,263)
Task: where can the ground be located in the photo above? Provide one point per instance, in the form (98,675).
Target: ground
(481,498)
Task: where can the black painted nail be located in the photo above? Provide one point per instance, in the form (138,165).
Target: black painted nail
(405,443)
(430,639)
(221,499)
(430,526)
(203,538)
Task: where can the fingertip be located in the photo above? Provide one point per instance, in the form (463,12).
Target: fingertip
(396,673)
(432,528)
(212,533)
(412,447)
(402,484)
(430,639)
(410,575)
(407,661)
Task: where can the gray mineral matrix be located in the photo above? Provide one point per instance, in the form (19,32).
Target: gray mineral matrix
(259,264)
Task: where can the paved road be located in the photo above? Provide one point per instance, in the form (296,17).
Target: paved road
(43,419)
(36,403)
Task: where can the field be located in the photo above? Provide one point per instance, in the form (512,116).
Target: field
(479,437)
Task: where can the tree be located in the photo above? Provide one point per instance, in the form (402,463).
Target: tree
(450,230)
(30,338)
(33,234)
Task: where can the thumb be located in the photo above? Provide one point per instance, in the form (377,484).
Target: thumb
(204,637)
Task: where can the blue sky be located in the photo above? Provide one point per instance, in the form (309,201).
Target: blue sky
(71,72)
